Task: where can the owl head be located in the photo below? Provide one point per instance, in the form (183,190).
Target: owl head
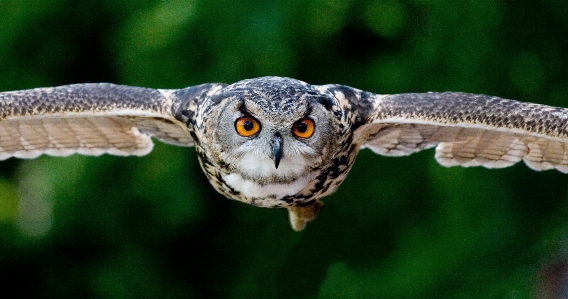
(272,136)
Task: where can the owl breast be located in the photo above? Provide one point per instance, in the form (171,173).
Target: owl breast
(256,184)
(255,180)
(258,181)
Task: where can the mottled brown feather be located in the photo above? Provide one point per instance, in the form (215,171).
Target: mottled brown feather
(468,130)
(89,119)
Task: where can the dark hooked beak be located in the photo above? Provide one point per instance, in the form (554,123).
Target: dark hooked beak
(276,149)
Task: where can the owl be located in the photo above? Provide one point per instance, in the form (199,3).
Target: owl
(280,142)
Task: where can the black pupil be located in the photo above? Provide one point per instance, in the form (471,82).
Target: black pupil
(248,125)
(302,127)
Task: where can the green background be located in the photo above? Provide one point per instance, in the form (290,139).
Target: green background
(152,227)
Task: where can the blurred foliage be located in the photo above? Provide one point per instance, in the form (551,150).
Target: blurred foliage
(152,227)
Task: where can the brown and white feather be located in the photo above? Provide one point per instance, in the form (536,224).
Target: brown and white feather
(468,130)
(89,119)
(465,129)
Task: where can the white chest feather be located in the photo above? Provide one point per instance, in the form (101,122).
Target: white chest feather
(250,188)
(259,178)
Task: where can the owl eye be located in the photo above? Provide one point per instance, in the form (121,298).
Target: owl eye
(304,128)
(247,126)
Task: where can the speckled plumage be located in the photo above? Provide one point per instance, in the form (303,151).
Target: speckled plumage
(466,129)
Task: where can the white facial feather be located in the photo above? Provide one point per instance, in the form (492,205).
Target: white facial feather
(259,166)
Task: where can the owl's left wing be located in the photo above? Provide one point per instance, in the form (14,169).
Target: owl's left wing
(466,129)
(93,119)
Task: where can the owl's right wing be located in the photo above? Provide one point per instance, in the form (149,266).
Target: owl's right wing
(94,119)
(466,129)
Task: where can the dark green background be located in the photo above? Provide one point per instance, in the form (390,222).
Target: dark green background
(152,227)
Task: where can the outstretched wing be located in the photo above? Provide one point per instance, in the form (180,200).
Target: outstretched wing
(93,119)
(467,129)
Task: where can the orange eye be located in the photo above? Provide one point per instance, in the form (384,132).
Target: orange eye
(304,128)
(247,126)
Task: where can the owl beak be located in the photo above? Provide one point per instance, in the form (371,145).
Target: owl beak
(276,149)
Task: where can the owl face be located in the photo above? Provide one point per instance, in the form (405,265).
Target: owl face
(275,138)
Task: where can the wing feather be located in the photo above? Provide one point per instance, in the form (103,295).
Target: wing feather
(467,129)
(92,119)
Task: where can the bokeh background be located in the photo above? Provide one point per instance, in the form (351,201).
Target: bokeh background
(152,227)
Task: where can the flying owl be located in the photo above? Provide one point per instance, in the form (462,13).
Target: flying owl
(280,142)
